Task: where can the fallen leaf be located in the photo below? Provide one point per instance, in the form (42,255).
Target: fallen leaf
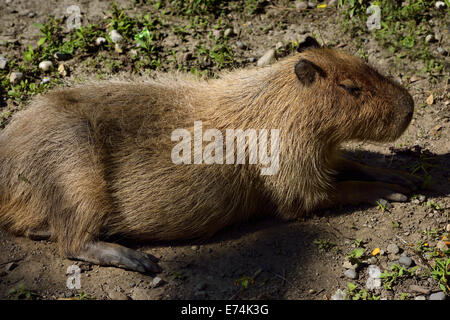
(430,100)
(376,251)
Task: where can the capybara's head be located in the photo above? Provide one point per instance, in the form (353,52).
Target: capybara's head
(350,97)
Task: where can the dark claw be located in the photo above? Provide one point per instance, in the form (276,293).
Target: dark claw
(110,254)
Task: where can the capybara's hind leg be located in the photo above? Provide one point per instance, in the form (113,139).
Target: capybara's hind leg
(111,254)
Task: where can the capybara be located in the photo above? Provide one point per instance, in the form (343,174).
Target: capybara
(95,162)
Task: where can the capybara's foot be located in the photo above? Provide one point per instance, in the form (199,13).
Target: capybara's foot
(353,171)
(355,192)
(398,178)
(111,254)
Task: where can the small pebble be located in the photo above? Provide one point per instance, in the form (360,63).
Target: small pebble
(62,69)
(429,38)
(99,41)
(15,77)
(195,247)
(228,32)
(338,295)
(312,291)
(157,282)
(420,298)
(374,271)
(348,265)
(351,274)
(392,248)
(405,261)
(46,65)
(439,4)
(116,37)
(267,58)
(421,198)
(240,44)
(312,4)
(437,296)
(447,228)
(441,50)
(372,260)
(3,62)
(373,283)
(251,59)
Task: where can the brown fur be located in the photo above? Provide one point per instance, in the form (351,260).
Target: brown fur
(94,161)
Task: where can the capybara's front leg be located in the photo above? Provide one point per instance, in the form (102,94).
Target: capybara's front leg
(352,170)
(111,254)
(357,192)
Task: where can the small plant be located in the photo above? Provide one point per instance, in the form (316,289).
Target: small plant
(361,294)
(84,296)
(433,205)
(356,256)
(441,272)
(359,242)
(244,282)
(324,245)
(404,296)
(397,272)
(20,293)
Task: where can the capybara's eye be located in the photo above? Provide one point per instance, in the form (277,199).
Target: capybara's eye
(350,87)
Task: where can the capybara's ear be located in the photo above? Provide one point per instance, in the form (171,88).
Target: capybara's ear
(309,43)
(307,72)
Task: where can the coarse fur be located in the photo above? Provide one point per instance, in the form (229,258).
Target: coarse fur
(94,161)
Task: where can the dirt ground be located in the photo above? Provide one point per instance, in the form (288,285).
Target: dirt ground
(268,258)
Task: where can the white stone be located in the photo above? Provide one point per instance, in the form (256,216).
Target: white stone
(116,37)
(99,41)
(439,4)
(372,283)
(46,66)
(374,272)
(338,295)
(3,62)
